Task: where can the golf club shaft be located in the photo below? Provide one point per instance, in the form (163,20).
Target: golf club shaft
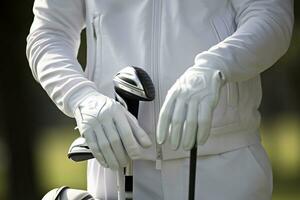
(125,178)
(131,85)
(192,176)
(121,185)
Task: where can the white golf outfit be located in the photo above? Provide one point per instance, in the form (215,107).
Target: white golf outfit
(240,38)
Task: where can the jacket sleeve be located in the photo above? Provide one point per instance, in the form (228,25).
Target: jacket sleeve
(52,47)
(264,29)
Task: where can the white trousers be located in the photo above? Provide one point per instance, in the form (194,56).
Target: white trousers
(242,174)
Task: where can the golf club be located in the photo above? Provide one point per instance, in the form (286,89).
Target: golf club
(192,175)
(132,84)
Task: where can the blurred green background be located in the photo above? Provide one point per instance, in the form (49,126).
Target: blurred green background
(35,136)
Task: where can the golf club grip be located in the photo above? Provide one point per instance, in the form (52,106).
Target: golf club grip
(192,176)
(133,108)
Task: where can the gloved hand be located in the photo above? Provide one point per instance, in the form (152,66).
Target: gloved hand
(111,132)
(187,112)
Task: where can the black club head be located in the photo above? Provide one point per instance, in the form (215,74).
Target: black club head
(135,84)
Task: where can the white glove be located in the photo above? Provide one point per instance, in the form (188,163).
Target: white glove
(111,132)
(186,114)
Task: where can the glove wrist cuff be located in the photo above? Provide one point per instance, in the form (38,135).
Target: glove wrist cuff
(220,72)
(80,96)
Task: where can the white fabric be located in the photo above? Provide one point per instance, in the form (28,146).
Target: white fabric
(188,108)
(244,173)
(240,38)
(111,132)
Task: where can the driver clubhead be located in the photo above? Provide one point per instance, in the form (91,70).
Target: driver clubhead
(134,83)
(79,150)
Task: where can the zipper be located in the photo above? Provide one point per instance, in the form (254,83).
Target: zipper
(97,37)
(216,31)
(156,31)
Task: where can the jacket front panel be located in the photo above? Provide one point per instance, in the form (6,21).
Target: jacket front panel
(163,37)
(241,38)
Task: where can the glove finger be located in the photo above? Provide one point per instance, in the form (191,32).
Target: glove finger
(165,117)
(190,128)
(91,140)
(177,123)
(105,147)
(115,142)
(139,133)
(204,122)
(131,145)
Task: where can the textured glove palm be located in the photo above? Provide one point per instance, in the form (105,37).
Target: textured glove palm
(111,132)
(186,114)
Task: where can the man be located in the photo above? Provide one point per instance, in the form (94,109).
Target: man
(205,58)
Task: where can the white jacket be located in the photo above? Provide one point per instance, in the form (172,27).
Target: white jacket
(242,38)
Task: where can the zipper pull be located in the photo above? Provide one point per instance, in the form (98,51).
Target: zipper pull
(158,161)
(158,164)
